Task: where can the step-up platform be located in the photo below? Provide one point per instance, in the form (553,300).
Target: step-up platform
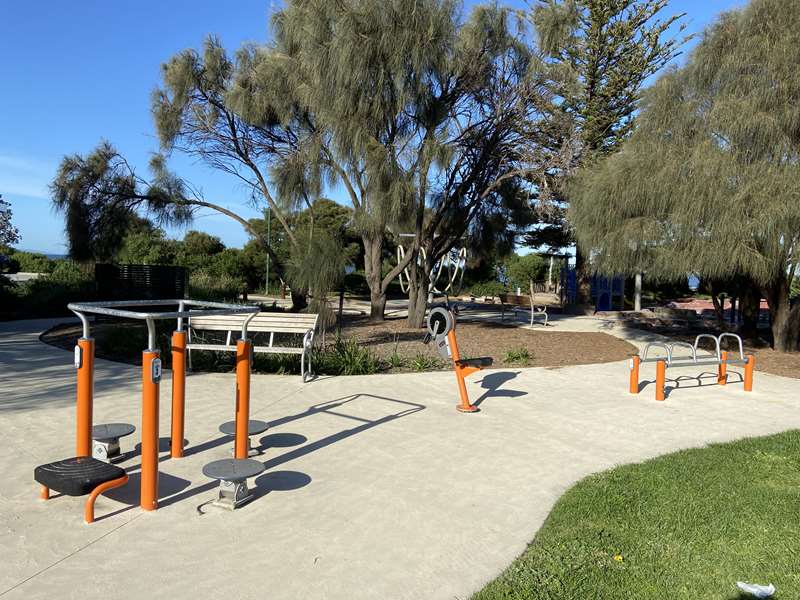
(233,474)
(78,476)
(254,427)
(105,441)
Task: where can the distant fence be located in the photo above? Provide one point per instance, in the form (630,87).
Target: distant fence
(140,282)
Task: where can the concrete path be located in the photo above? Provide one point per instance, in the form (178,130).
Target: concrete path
(375,486)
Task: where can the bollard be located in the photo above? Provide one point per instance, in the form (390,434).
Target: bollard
(84,362)
(242,398)
(722,374)
(634,367)
(178,392)
(151,377)
(748,373)
(661,378)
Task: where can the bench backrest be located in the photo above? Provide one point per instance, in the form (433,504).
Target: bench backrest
(515,300)
(266,322)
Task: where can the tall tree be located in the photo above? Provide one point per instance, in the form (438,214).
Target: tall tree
(415,113)
(593,58)
(709,182)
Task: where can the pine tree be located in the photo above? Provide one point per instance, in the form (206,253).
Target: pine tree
(593,59)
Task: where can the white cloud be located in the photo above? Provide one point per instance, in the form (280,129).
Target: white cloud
(25,176)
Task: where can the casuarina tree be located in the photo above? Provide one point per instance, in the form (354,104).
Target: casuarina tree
(709,182)
(410,110)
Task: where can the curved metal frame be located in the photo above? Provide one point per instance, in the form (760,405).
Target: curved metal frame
(455,270)
(684,345)
(308,346)
(112,308)
(713,359)
(737,338)
(708,336)
(666,348)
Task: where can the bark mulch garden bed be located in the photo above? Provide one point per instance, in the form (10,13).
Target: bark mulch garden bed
(509,346)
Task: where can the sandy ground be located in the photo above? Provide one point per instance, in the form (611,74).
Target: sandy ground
(375,486)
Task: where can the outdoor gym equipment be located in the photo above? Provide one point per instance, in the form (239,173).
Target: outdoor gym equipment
(84,474)
(442,329)
(233,474)
(105,440)
(719,359)
(453,263)
(253,428)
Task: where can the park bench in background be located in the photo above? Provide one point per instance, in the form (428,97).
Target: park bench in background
(515,302)
(289,333)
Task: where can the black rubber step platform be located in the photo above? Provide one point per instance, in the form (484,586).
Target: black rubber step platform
(76,476)
(484,361)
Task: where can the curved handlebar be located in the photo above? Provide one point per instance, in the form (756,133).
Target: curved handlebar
(737,338)
(674,345)
(711,337)
(666,348)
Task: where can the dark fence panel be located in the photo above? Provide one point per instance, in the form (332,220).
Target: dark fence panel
(140,282)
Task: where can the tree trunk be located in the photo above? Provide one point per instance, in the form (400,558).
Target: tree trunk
(785,317)
(299,300)
(637,293)
(750,302)
(418,285)
(719,309)
(377,305)
(373,251)
(583,282)
(417,303)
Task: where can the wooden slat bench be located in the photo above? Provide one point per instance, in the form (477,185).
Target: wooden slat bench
(512,301)
(271,323)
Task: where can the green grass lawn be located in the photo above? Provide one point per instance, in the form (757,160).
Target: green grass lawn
(683,526)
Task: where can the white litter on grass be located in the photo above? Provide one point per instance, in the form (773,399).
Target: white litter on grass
(756,590)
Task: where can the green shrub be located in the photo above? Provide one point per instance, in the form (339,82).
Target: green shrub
(346,357)
(48,295)
(487,288)
(396,361)
(66,271)
(33,262)
(521,270)
(519,356)
(205,286)
(423,362)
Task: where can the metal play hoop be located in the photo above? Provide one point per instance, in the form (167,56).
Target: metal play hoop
(453,263)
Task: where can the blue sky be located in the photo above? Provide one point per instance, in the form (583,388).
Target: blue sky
(73,73)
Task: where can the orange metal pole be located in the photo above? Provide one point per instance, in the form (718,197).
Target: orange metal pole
(748,373)
(242,397)
(148,495)
(722,375)
(83,445)
(465,405)
(634,384)
(178,392)
(661,379)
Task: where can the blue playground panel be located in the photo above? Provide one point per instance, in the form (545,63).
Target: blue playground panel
(607,292)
